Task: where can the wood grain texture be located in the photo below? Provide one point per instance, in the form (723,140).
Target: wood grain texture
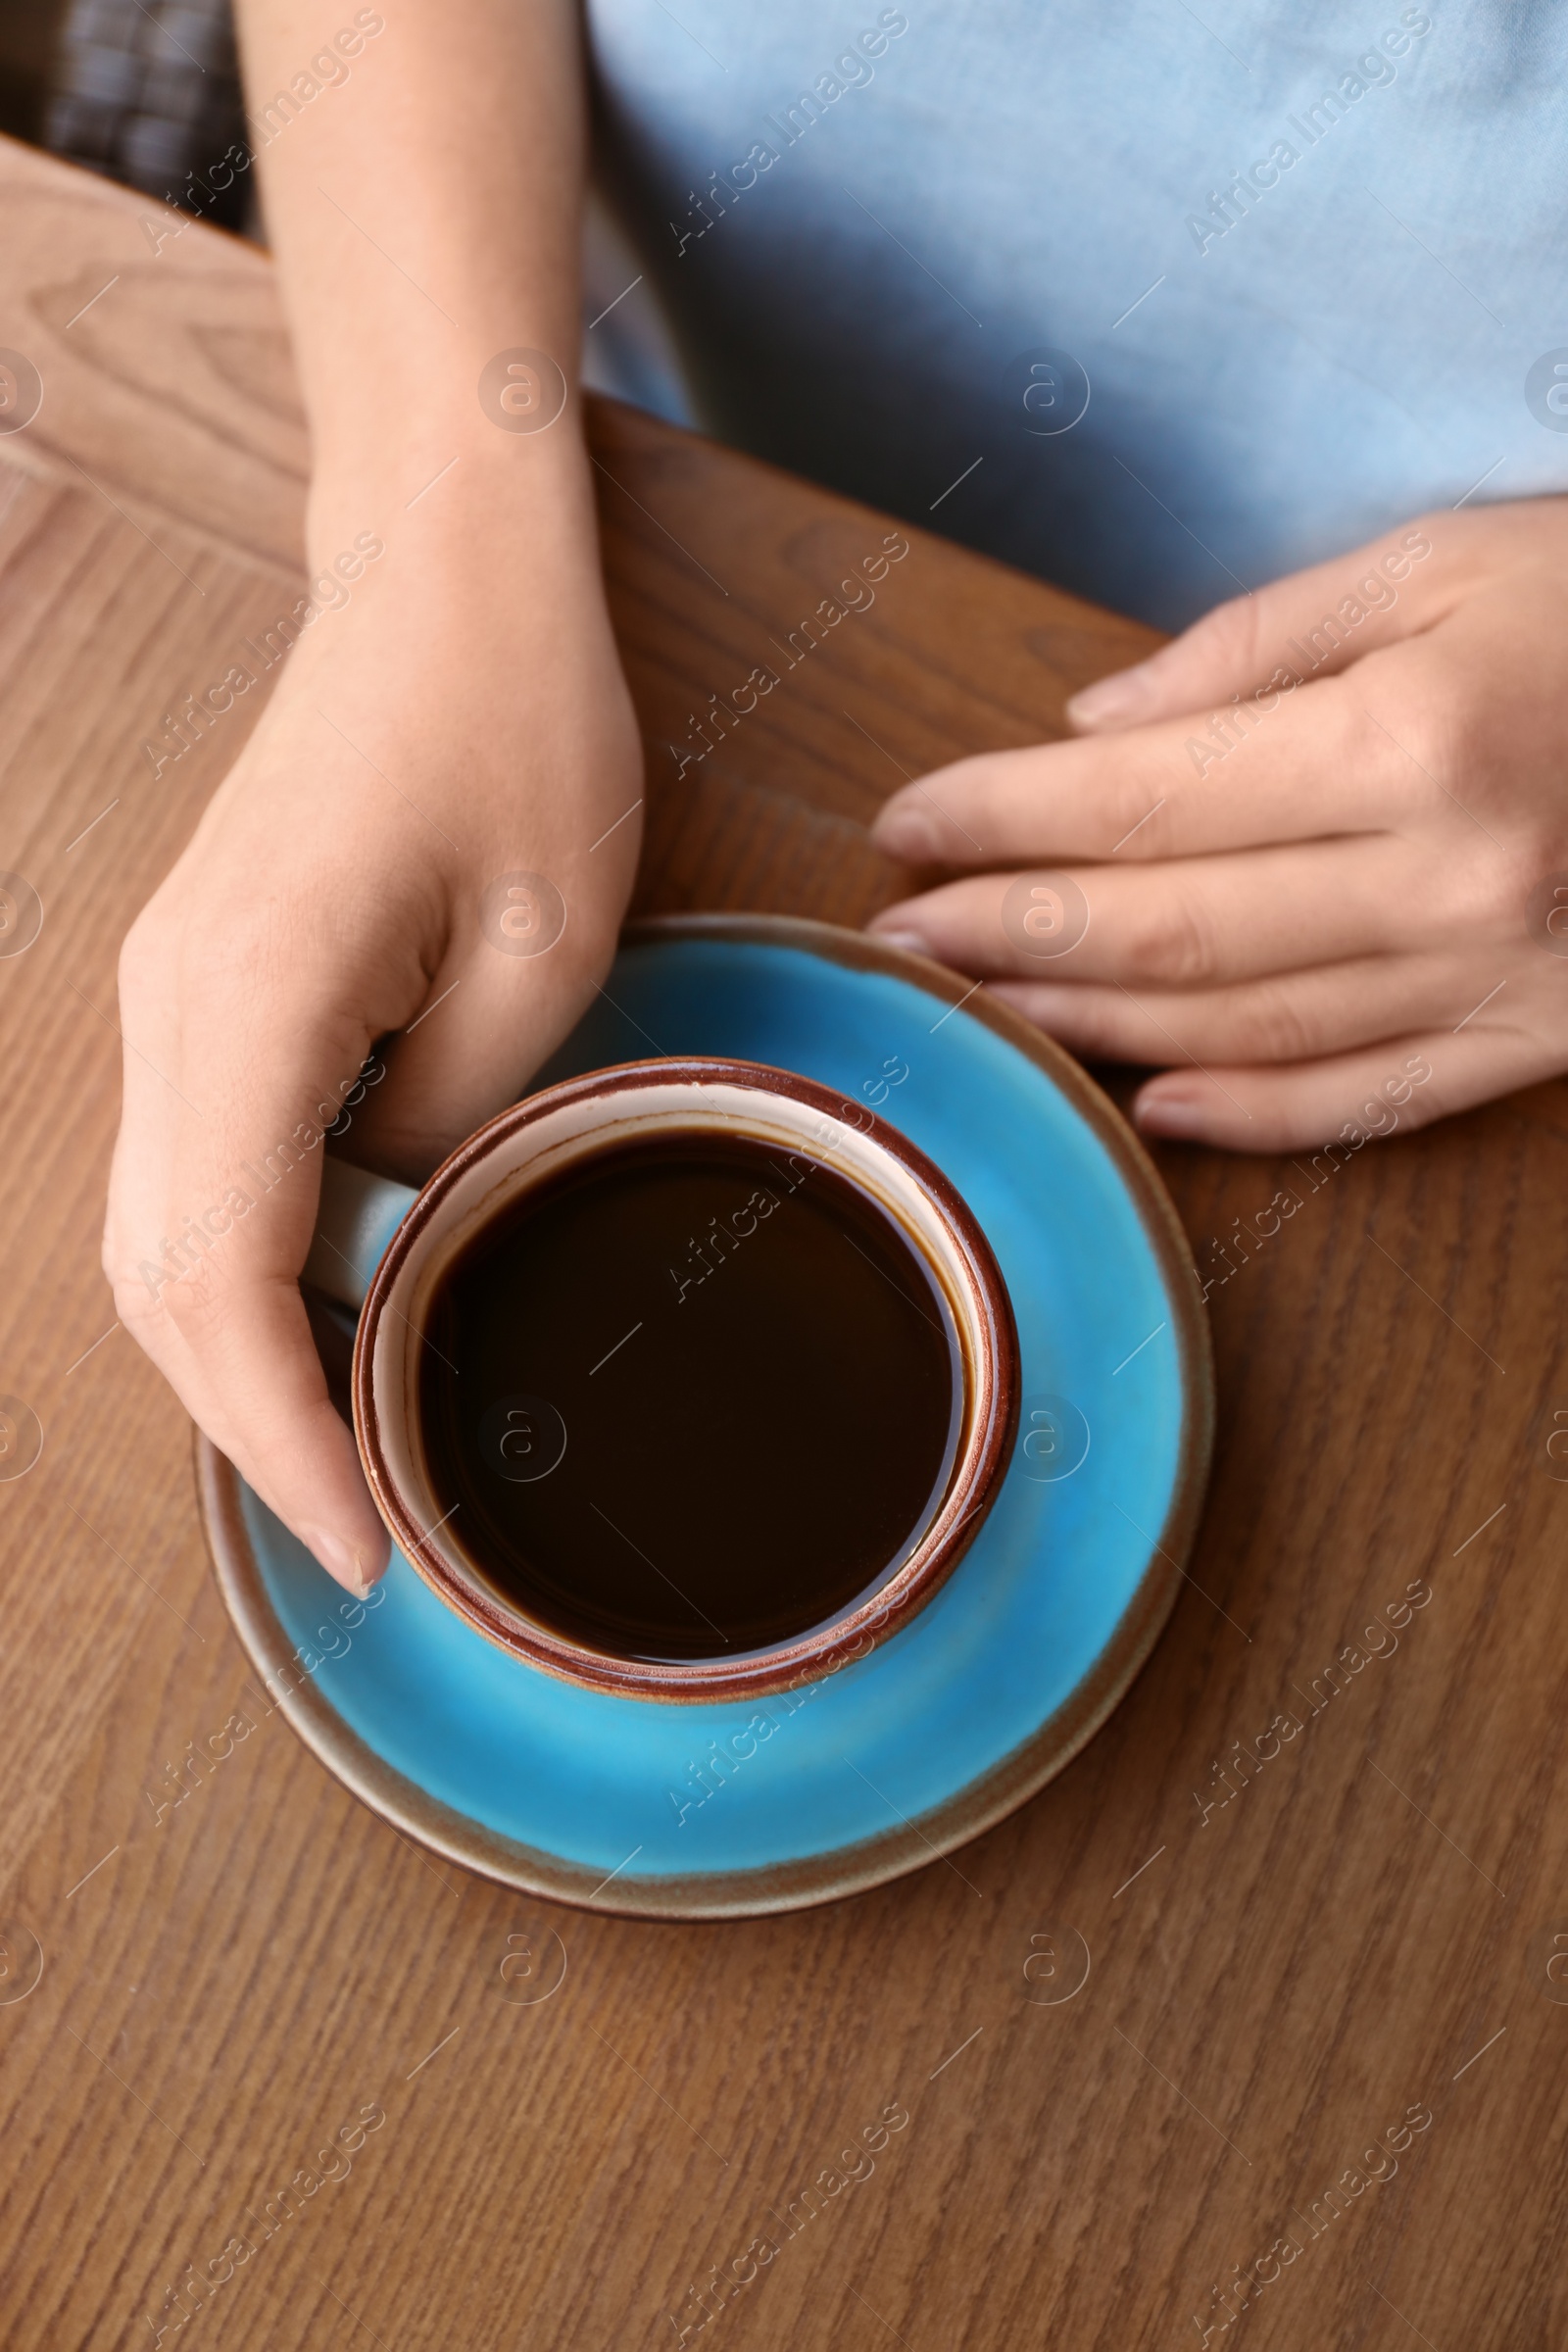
(1285,1975)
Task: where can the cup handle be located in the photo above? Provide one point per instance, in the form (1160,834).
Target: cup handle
(358,1217)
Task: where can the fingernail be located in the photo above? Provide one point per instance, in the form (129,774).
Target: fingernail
(1172,1114)
(338,1558)
(1120,696)
(908,834)
(914,941)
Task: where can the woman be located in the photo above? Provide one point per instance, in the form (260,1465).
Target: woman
(1160,307)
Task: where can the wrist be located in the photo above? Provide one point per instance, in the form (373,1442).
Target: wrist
(446,501)
(378,409)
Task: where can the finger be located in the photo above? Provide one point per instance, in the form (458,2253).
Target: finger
(1347,1097)
(1198,922)
(527,954)
(487,1022)
(222,1318)
(213,1202)
(1292,1016)
(1291,763)
(1312,622)
(238,1353)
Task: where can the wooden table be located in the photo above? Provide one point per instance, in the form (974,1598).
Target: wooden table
(1279,1976)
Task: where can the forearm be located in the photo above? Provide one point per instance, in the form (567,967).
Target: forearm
(425,215)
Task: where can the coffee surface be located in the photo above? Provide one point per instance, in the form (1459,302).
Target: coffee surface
(692,1398)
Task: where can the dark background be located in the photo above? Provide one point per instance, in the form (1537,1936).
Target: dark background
(30,31)
(146,93)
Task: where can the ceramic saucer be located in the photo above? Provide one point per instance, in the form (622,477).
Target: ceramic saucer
(724,1811)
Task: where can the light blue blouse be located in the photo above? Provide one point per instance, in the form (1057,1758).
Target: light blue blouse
(1157,301)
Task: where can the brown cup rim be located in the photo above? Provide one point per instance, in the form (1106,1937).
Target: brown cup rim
(991,1415)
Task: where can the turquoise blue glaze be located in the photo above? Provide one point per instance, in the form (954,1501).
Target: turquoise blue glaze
(1031,1609)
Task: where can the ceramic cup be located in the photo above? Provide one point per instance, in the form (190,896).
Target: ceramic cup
(531,1144)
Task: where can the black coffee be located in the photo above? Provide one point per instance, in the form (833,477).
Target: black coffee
(693,1399)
